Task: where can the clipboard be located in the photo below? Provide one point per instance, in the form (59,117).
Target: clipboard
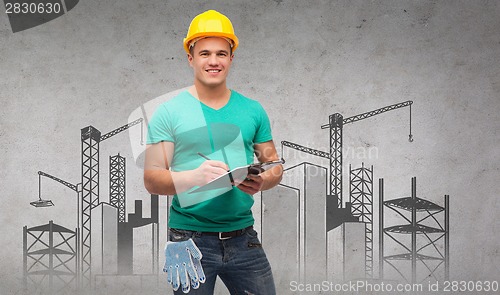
(237,175)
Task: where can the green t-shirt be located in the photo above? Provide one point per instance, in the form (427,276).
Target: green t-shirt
(228,135)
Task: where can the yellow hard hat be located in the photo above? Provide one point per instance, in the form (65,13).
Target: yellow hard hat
(210,23)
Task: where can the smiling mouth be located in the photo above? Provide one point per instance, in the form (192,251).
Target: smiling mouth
(213,71)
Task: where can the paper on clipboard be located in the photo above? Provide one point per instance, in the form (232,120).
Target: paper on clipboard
(237,176)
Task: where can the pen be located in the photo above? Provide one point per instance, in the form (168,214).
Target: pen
(207,158)
(202,155)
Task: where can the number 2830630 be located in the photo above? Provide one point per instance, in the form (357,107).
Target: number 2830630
(32,8)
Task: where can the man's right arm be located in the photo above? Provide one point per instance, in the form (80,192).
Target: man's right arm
(158,179)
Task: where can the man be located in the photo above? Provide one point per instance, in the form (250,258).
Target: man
(195,138)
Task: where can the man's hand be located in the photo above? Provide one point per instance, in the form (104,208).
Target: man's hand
(252,184)
(208,171)
(266,152)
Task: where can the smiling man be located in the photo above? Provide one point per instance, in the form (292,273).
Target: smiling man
(194,138)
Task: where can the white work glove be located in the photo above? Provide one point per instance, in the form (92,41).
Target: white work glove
(183,266)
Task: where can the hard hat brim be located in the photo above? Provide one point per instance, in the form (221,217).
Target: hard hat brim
(232,37)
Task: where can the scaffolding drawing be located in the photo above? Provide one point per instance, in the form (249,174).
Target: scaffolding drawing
(423,239)
(50,261)
(361,199)
(117,184)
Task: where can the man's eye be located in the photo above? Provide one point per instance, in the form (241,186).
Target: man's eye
(222,54)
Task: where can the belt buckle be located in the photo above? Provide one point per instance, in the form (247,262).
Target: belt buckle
(223,238)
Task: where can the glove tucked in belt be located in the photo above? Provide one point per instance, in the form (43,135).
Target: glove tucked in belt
(183,266)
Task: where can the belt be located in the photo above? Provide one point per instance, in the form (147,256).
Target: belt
(225,235)
(228,234)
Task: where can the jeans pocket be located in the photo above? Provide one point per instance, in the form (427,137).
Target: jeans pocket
(253,239)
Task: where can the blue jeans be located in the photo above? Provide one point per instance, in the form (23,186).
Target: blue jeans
(240,262)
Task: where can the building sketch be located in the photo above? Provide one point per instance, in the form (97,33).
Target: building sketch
(110,251)
(348,228)
(328,237)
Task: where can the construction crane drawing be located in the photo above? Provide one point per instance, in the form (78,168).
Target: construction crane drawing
(88,188)
(336,124)
(47,203)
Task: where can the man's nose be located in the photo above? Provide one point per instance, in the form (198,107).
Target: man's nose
(212,59)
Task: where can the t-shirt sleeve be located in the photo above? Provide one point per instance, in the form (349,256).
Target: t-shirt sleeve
(263,133)
(160,126)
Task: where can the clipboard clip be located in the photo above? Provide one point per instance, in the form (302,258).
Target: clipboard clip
(258,168)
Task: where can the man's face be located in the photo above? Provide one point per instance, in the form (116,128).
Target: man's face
(211,60)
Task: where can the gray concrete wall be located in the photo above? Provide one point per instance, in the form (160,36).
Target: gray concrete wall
(303,60)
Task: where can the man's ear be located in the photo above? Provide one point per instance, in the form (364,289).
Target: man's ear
(231,57)
(190,59)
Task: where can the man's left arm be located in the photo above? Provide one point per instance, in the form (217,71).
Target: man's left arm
(265,152)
